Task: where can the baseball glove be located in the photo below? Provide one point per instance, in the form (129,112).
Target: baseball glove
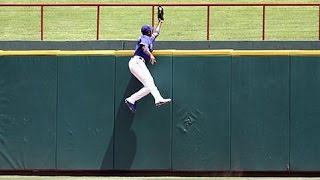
(160,13)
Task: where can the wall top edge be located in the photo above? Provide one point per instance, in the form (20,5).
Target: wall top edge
(162,52)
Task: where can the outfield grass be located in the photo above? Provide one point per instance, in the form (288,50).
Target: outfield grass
(182,23)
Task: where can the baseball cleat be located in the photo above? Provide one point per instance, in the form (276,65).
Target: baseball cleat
(132,107)
(163,101)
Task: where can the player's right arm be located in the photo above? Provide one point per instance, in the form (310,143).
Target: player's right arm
(148,53)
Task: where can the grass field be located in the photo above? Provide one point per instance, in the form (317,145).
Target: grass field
(181,23)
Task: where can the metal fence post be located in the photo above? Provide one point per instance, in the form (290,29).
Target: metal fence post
(152,13)
(98,21)
(41,24)
(208,22)
(264,23)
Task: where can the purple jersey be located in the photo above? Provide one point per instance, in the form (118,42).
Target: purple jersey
(147,41)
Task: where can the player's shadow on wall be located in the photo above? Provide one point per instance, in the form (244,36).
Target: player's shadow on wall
(123,145)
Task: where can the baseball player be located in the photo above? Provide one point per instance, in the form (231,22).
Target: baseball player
(137,65)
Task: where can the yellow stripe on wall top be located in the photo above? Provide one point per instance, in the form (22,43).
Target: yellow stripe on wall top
(225,52)
(261,53)
(89,52)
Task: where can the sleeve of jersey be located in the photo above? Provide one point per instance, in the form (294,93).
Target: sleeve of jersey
(153,38)
(144,41)
(154,35)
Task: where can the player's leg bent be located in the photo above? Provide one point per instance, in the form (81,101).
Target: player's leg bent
(148,81)
(138,95)
(139,69)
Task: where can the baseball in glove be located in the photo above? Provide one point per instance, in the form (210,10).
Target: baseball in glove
(160,13)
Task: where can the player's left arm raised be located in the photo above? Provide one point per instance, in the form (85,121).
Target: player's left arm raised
(156,31)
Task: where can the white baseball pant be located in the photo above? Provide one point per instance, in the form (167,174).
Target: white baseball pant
(139,69)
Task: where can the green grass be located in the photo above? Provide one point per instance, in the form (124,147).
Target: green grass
(182,23)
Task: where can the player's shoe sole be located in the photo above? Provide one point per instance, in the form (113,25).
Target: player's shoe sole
(131,106)
(164,101)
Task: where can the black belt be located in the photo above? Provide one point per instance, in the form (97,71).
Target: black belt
(140,58)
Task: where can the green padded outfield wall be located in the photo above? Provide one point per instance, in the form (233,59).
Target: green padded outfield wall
(201,113)
(143,139)
(305,113)
(232,111)
(260,113)
(85,112)
(28,87)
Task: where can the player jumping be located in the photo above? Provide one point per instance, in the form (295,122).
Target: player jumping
(137,65)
